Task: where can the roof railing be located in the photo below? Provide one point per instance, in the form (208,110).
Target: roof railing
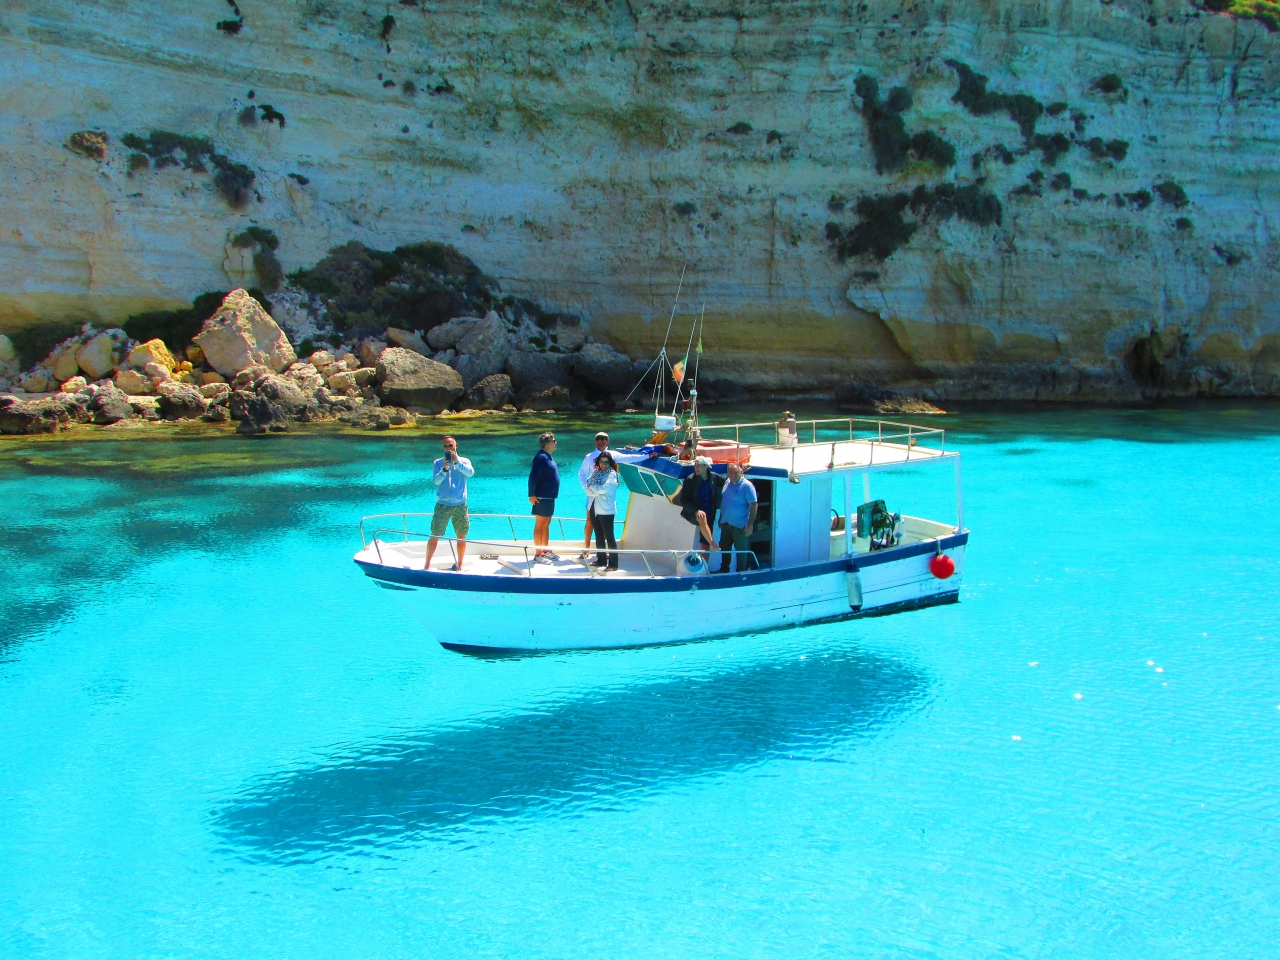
(849,425)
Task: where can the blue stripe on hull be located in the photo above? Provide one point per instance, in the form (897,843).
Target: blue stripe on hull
(492,584)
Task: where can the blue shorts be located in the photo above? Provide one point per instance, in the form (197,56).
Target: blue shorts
(544,508)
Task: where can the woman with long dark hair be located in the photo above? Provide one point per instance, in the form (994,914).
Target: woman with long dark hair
(602,490)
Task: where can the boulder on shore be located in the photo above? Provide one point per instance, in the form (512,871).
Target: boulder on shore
(408,379)
(447,335)
(9,364)
(283,392)
(153,351)
(483,349)
(407,340)
(63,364)
(259,415)
(490,393)
(527,368)
(241,334)
(182,403)
(544,396)
(97,356)
(132,382)
(110,405)
(604,368)
(370,351)
(45,415)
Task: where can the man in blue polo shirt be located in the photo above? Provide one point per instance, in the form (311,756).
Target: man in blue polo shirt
(738,504)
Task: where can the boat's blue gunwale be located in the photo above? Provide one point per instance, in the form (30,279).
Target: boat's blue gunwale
(476,583)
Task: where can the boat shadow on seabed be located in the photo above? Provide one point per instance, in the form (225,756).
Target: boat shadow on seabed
(569,757)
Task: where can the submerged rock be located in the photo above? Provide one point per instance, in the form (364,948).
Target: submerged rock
(409,379)
(241,334)
(861,397)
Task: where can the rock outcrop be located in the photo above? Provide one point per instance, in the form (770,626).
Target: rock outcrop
(490,393)
(408,379)
(604,368)
(991,199)
(483,350)
(241,334)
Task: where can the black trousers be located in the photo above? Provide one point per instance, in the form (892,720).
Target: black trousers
(603,526)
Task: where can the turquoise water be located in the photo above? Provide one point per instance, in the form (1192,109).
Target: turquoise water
(217,739)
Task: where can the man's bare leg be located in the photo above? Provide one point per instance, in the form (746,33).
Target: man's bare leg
(462,549)
(705,529)
(541,533)
(431,549)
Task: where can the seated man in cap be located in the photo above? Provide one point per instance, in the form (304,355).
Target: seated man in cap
(584,472)
(699,499)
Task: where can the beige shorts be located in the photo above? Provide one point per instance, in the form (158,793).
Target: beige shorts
(457,512)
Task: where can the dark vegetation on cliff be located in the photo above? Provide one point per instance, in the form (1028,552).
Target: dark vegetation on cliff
(890,142)
(232,27)
(265,264)
(1267,12)
(415,287)
(1026,111)
(161,147)
(881,228)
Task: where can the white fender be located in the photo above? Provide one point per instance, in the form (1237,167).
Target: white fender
(855,588)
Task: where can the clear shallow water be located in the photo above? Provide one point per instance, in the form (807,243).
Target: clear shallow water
(217,739)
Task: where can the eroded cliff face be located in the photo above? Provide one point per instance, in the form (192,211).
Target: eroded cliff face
(584,152)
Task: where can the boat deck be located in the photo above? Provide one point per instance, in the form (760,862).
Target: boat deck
(485,560)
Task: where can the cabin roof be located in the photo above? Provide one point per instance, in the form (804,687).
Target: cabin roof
(840,456)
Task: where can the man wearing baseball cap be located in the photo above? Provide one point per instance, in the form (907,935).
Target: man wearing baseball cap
(584,472)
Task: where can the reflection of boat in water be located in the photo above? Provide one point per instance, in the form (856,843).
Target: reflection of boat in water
(823,553)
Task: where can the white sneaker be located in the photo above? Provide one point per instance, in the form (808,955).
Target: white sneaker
(543,558)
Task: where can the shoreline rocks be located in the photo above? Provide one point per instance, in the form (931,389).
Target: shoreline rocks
(409,379)
(241,334)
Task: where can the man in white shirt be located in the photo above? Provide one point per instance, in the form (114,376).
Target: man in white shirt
(588,465)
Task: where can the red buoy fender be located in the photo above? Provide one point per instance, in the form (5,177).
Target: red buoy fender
(942,566)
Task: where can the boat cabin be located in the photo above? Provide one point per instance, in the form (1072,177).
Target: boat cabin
(810,477)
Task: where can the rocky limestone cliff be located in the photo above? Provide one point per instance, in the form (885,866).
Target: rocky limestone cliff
(583,151)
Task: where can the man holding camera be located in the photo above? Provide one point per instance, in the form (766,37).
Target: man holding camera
(449,474)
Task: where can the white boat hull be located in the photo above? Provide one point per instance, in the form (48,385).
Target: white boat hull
(490,613)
